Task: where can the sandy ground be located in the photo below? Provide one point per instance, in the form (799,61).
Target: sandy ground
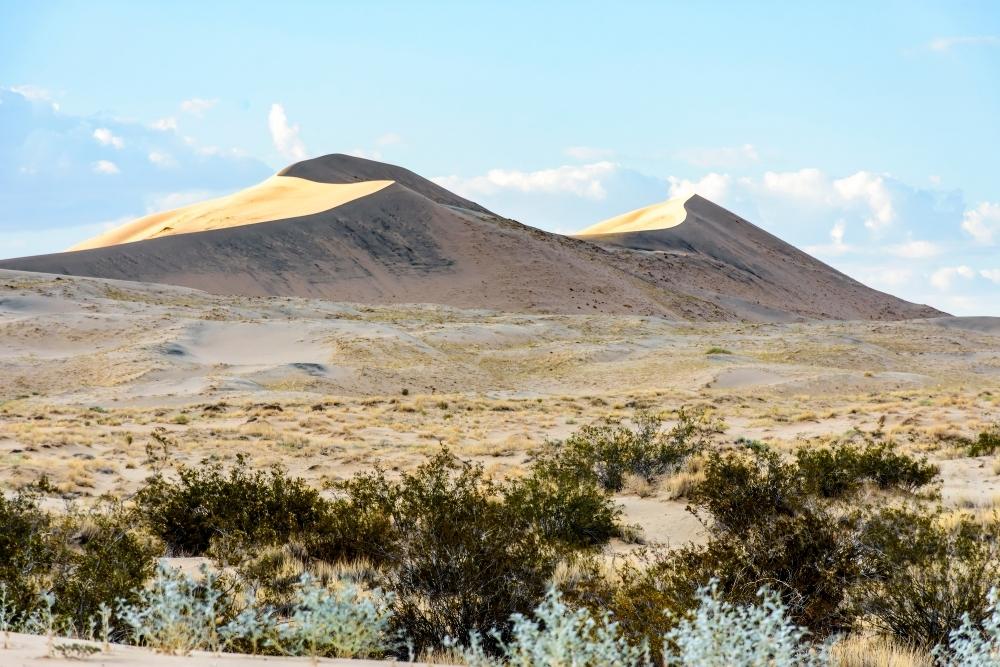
(95,374)
(28,650)
(277,198)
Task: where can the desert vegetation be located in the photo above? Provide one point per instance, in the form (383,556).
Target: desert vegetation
(807,551)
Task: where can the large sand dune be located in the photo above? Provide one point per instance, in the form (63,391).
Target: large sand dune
(349,229)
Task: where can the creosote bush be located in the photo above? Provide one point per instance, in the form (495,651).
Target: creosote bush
(612,450)
(263,507)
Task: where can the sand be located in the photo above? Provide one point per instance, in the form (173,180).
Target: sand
(658,216)
(277,198)
(31,650)
(412,241)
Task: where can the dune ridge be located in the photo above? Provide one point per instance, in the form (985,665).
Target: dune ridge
(277,198)
(649,218)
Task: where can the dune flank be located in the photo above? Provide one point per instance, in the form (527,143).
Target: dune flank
(658,216)
(277,198)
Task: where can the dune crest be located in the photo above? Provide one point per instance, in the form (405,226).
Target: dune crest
(658,216)
(277,198)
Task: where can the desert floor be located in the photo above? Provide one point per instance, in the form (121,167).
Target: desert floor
(102,382)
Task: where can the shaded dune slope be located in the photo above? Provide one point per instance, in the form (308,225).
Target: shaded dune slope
(415,242)
(716,255)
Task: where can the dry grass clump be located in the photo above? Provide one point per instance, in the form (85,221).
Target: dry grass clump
(866,651)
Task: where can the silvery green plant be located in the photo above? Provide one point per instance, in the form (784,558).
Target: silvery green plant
(558,636)
(6,615)
(254,625)
(176,614)
(968,646)
(722,634)
(343,622)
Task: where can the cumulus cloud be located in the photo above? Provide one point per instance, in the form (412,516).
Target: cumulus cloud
(983,222)
(727,157)
(106,167)
(871,190)
(945,44)
(285,136)
(105,137)
(993,275)
(197,106)
(711,186)
(580,180)
(588,153)
(944,278)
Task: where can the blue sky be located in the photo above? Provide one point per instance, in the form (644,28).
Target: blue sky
(866,133)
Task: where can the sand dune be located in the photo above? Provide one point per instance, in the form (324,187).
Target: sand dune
(658,216)
(277,198)
(347,229)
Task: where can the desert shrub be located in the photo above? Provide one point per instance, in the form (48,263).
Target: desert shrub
(929,577)
(557,636)
(81,560)
(835,471)
(26,553)
(262,506)
(720,634)
(105,561)
(986,443)
(612,450)
(565,507)
(358,523)
(461,562)
(745,489)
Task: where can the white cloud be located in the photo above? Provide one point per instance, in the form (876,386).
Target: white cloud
(106,167)
(837,234)
(105,137)
(285,137)
(168,124)
(580,180)
(983,222)
(809,184)
(711,186)
(389,139)
(588,153)
(197,106)
(944,278)
(161,159)
(945,44)
(32,92)
(916,250)
(993,275)
(726,157)
(871,189)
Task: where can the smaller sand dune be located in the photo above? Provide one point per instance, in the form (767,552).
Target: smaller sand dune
(658,216)
(277,198)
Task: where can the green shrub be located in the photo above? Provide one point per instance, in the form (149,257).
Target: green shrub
(836,471)
(928,577)
(986,443)
(80,560)
(611,450)
(205,502)
(462,562)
